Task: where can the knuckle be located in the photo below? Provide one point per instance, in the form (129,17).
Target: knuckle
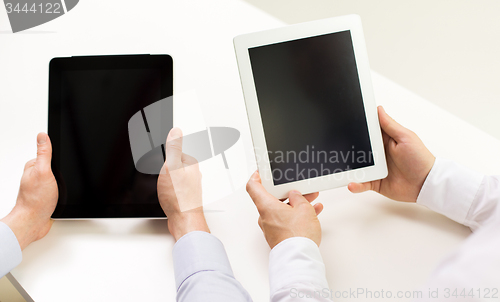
(29,164)
(248,186)
(304,205)
(44,172)
(170,166)
(174,145)
(42,151)
(164,169)
(193,160)
(410,132)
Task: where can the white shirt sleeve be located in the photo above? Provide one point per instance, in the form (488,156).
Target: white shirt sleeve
(297,271)
(10,251)
(461,194)
(472,272)
(203,272)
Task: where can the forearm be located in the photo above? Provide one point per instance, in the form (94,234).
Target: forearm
(296,270)
(203,272)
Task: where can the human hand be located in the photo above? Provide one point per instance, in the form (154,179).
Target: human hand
(37,198)
(179,189)
(408,163)
(280,221)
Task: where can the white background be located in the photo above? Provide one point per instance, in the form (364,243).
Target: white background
(368,241)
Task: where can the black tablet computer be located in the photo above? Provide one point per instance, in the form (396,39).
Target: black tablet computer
(91,100)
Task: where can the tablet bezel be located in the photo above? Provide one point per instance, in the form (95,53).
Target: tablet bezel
(350,23)
(56,66)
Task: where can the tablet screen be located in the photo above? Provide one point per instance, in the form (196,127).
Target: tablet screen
(93,160)
(311,107)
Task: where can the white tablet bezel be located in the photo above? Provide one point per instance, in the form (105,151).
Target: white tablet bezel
(352,23)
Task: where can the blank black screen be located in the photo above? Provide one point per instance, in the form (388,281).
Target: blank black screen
(95,149)
(311,107)
(91,100)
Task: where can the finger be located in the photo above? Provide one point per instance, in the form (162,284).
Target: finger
(311,196)
(174,149)
(355,187)
(188,160)
(43,152)
(318,208)
(296,198)
(390,126)
(258,193)
(29,164)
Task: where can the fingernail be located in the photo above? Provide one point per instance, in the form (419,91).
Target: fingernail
(41,139)
(255,175)
(295,192)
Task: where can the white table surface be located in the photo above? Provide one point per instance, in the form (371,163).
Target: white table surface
(368,240)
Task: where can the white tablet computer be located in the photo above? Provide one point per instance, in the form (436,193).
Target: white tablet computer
(310,105)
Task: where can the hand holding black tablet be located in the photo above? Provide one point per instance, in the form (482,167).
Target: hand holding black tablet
(91,100)
(311,106)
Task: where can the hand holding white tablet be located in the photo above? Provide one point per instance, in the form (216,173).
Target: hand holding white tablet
(408,160)
(310,105)
(279,220)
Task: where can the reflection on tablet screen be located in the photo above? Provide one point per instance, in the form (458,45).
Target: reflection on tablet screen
(311,107)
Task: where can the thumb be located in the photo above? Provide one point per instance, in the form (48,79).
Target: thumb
(258,193)
(174,149)
(295,198)
(43,152)
(390,126)
(355,187)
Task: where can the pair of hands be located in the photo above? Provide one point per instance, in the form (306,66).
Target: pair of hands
(179,190)
(408,162)
(179,186)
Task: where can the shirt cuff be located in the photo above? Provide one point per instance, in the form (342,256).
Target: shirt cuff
(450,189)
(199,251)
(296,260)
(10,251)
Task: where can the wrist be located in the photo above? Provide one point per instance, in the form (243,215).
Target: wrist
(24,225)
(180,224)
